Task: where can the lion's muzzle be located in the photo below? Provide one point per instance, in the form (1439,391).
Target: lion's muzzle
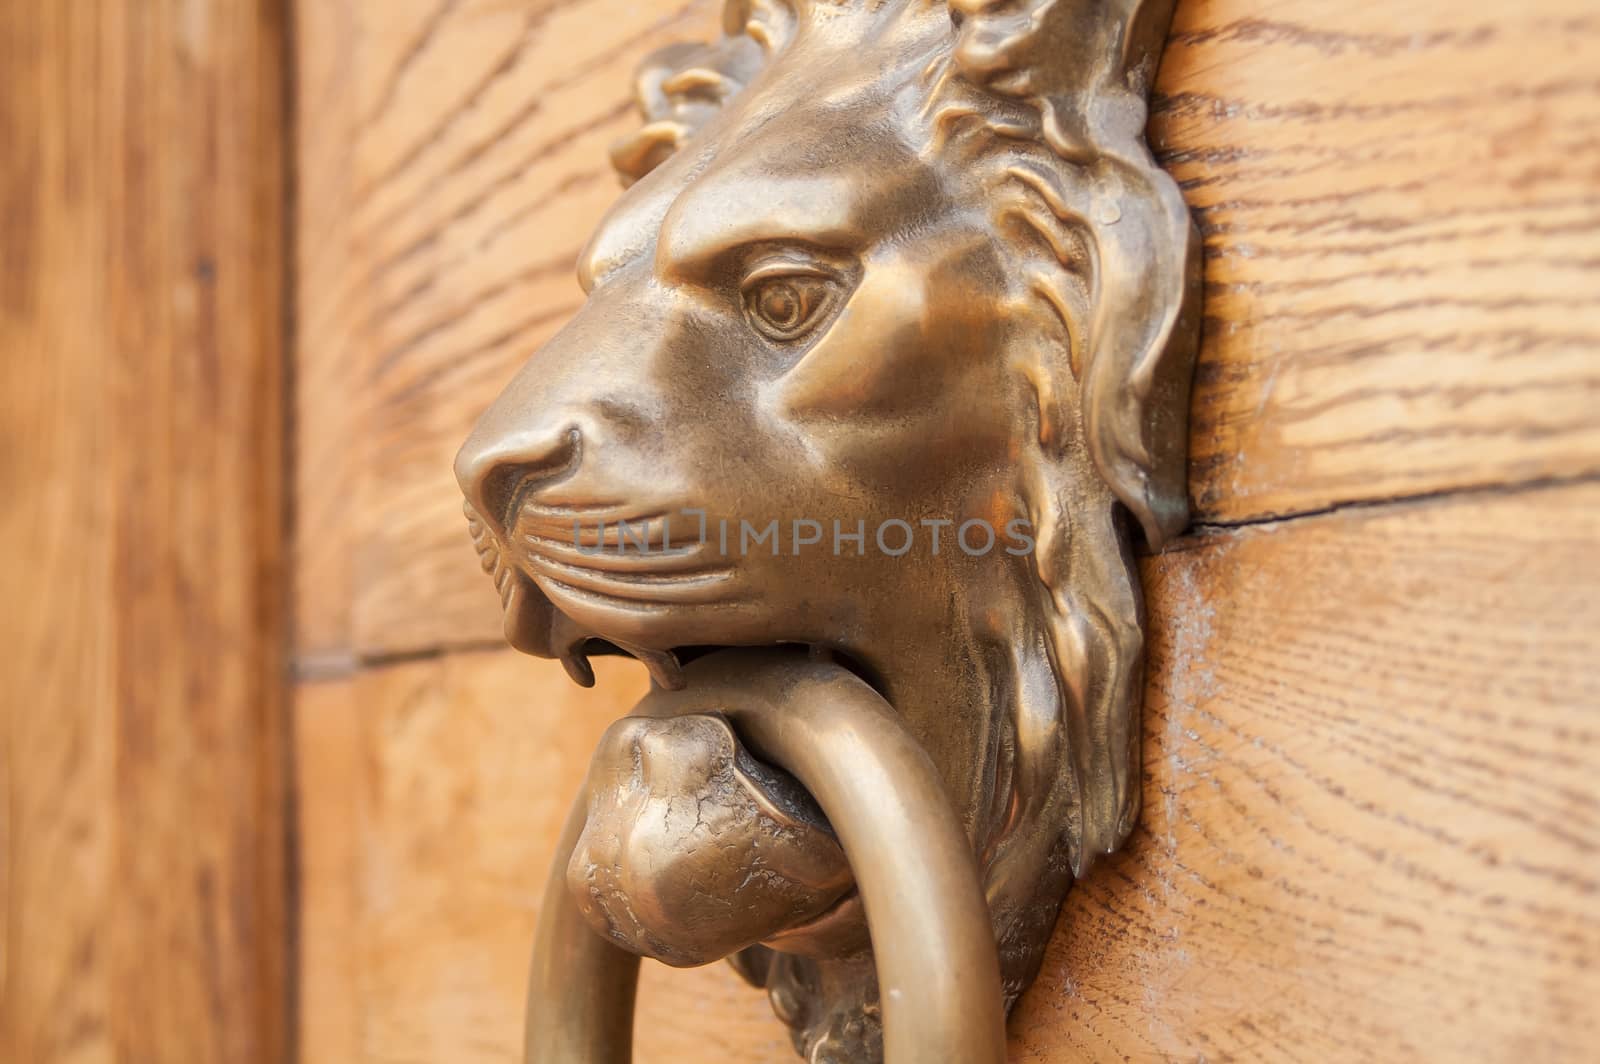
(495,468)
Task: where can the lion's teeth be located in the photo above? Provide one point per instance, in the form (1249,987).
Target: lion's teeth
(576,662)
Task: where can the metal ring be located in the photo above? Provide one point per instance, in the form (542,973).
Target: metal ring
(937,964)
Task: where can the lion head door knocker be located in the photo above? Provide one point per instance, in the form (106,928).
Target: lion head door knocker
(886,351)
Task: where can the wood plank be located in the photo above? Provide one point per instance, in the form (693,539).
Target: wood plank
(1401,206)
(141,307)
(1370,827)
(330,783)
(328,49)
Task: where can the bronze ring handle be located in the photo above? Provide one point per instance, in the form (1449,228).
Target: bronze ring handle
(938,968)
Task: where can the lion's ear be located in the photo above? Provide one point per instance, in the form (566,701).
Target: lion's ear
(681,87)
(1087,65)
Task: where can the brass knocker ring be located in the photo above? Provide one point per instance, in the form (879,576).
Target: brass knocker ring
(937,964)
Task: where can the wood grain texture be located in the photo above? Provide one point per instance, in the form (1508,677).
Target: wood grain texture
(1401,209)
(1401,206)
(1370,829)
(141,305)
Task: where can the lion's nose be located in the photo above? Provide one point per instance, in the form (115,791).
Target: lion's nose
(493,469)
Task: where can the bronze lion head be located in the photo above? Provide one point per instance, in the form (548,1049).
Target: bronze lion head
(882,268)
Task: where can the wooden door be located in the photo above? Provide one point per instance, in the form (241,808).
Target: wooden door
(1370,827)
(274,790)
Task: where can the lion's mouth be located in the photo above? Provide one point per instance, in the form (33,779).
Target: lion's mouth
(606,573)
(578,558)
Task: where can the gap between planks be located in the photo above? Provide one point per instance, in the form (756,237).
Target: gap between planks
(339,666)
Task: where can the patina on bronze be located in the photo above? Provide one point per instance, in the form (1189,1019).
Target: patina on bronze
(895,266)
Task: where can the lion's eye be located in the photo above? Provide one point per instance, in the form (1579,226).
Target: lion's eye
(784,307)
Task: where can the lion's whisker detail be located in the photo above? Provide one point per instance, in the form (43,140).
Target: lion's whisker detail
(641,532)
(877,258)
(613,597)
(609,514)
(692,576)
(665,589)
(612,554)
